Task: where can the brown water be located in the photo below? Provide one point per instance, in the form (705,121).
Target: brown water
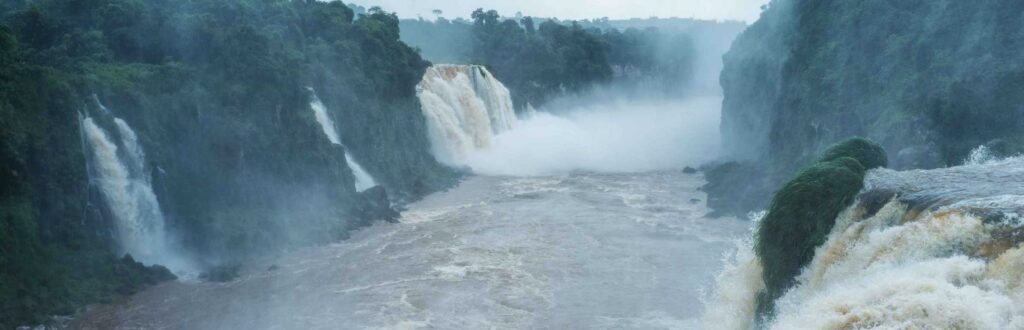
(578,251)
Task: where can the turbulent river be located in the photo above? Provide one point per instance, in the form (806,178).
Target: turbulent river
(574,251)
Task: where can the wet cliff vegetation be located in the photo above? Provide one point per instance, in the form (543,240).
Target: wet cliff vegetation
(540,59)
(803,212)
(216,91)
(928,80)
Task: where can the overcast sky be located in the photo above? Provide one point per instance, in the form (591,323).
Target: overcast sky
(744,10)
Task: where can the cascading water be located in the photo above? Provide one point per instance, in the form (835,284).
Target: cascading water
(944,252)
(126,188)
(465,107)
(363,179)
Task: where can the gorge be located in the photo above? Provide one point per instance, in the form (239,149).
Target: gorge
(297,164)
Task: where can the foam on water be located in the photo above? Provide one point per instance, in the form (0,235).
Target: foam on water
(941,254)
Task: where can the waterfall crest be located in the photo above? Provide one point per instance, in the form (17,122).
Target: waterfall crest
(943,251)
(118,170)
(363,179)
(465,107)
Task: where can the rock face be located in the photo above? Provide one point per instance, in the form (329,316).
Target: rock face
(374,206)
(735,188)
(927,80)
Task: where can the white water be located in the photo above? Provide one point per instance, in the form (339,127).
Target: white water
(939,267)
(625,136)
(980,155)
(125,186)
(363,179)
(471,123)
(465,107)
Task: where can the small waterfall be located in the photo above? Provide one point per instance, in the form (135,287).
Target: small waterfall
(125,185)
(944,252)
(363,179)
(465,107)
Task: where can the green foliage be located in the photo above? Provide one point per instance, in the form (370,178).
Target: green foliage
(541,61)
(216,91)
(804,210)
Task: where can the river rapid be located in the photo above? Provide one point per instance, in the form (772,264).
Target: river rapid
(572,251)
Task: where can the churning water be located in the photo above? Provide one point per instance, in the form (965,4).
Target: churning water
(465,106)
(574,251)
(944,253)
(471,123)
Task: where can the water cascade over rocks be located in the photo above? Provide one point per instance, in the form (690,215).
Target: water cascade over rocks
(465,107)
(363,179)
(118,170)
(922,249)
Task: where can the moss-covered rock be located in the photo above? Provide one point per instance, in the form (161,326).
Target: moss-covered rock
(869,154)
(804,210)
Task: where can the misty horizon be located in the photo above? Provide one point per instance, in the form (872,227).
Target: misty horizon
(725,10)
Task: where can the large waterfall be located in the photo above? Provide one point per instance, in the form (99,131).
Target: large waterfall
(119,171)
(944,252)
(465,107)
(363,179)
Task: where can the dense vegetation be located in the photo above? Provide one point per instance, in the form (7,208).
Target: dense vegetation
(928,80)
(544,58)
(804,210)
(216,91)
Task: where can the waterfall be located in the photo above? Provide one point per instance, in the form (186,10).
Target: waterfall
(944,252)
(363,179)
(120,175)
(465,107)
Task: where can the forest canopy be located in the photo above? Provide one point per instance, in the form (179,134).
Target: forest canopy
(224,82)
(539,59)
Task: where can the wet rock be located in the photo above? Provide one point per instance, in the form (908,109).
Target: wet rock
(1001,148)
(689,170)
(736,188)
(222,273)
(374,205)
(873,201)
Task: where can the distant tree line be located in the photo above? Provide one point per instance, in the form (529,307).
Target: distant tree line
(541,60)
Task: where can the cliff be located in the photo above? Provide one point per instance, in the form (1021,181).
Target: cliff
(928,80)
(216,95)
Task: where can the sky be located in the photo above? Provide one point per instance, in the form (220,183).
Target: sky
(743,10)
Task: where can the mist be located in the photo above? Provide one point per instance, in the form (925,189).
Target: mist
(620,136)
(743,10)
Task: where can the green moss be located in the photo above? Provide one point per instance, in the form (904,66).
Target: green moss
(804,210)
(869,154)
